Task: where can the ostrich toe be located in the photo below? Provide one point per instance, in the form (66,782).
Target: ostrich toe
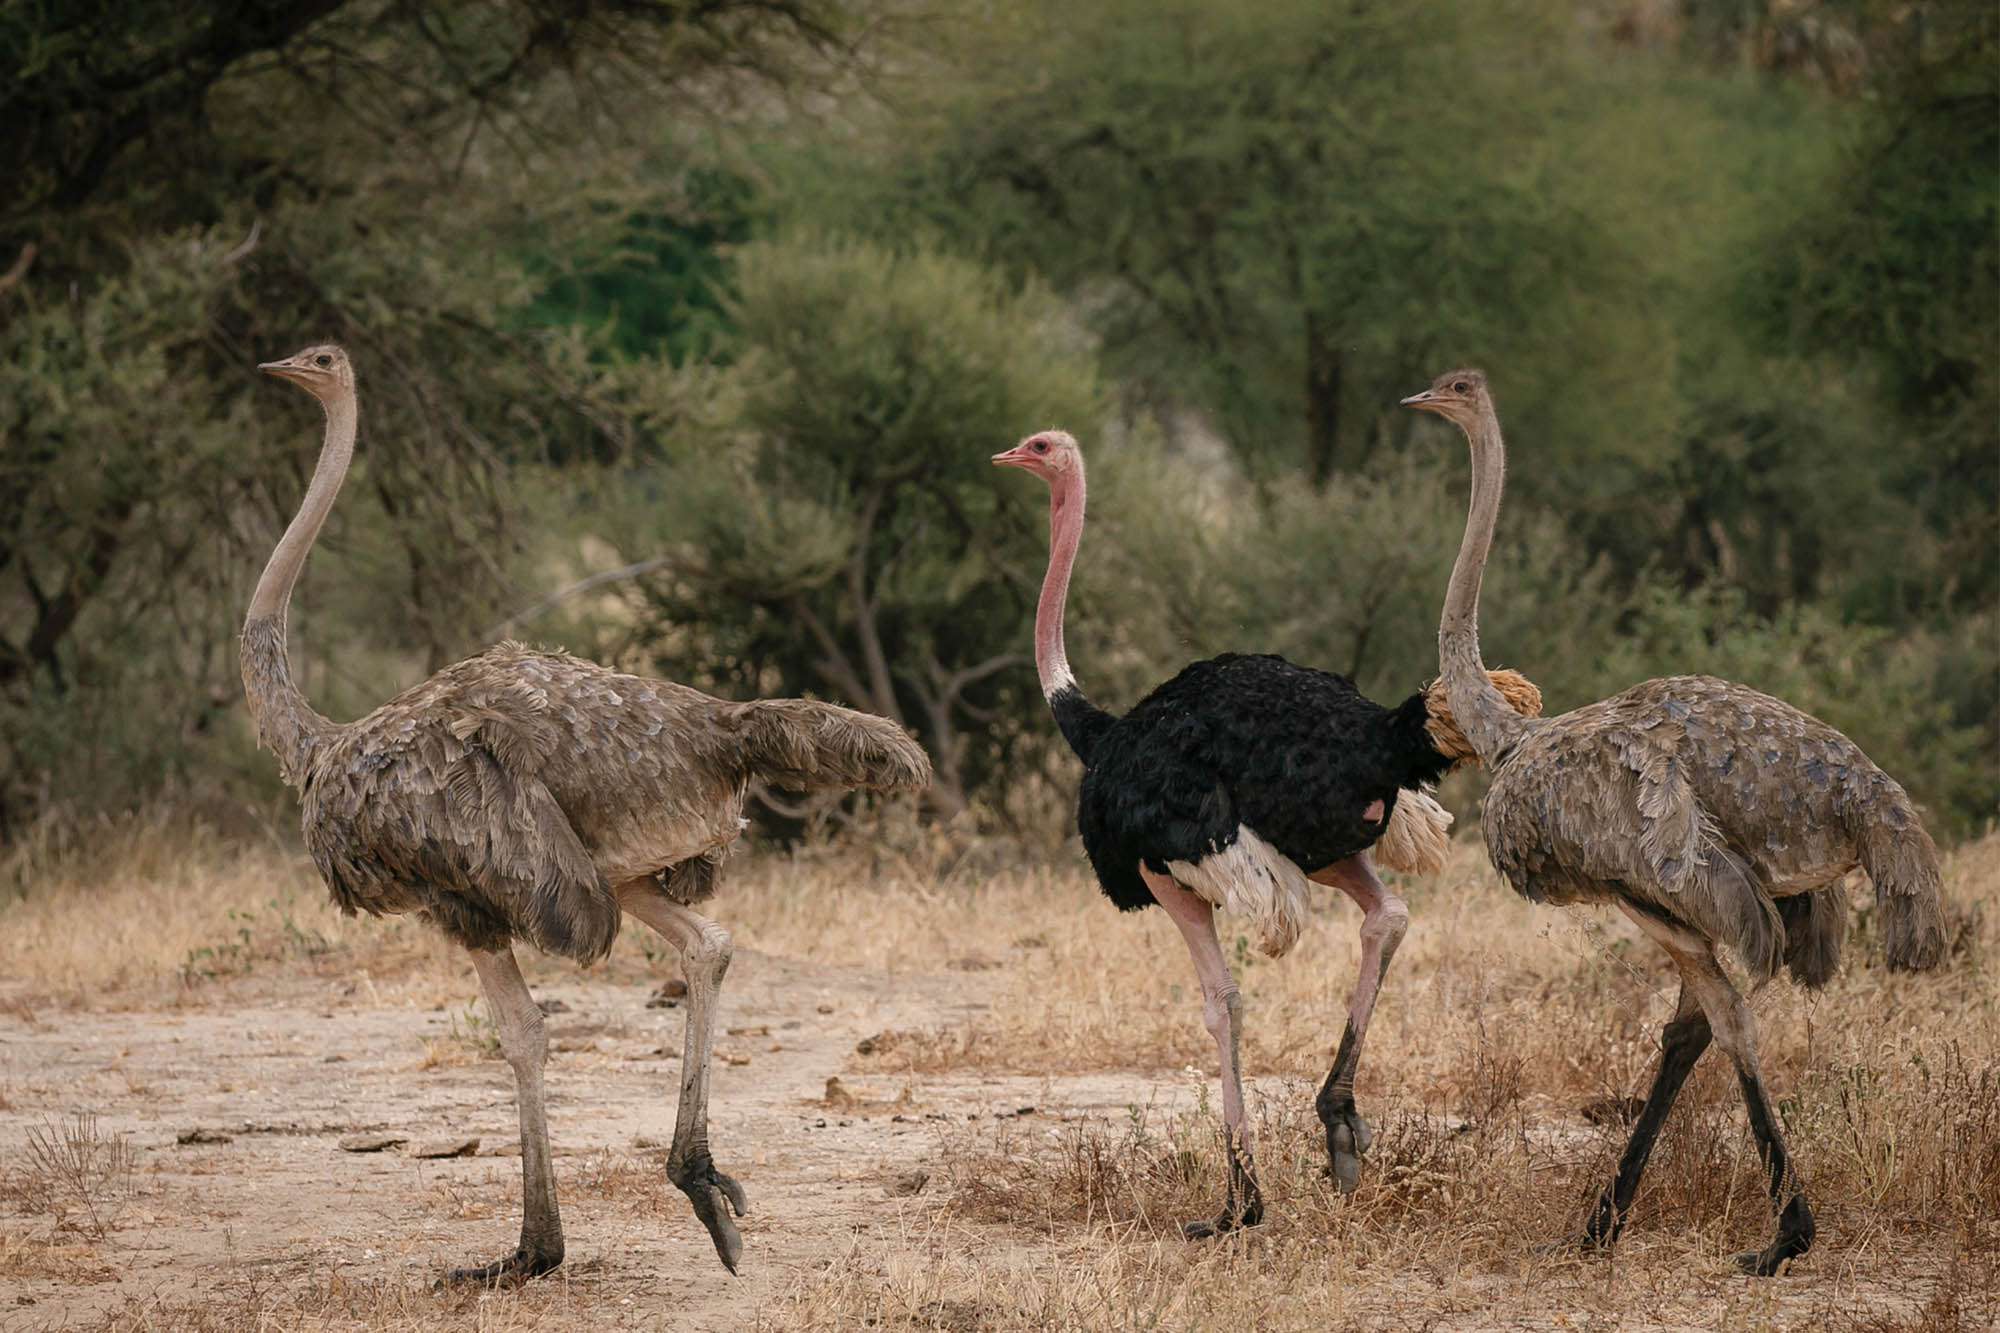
(1229,1219)
(1348,1139)
(1795,1237)
(1244,1206)
(520,1266)
(715,1196)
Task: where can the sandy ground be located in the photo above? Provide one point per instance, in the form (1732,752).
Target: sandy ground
(187,1043)
(287,1070)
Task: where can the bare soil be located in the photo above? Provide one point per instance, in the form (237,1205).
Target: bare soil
(275,1075)
(193,1044)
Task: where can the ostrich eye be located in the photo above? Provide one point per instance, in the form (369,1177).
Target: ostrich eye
(1041,446)
(322,360)
(1459,386)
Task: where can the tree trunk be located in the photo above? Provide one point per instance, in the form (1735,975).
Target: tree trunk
(1323,374)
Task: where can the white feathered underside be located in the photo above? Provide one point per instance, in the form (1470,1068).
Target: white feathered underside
(1253,880)
(1418,836)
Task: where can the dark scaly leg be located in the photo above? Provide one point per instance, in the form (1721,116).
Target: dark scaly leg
(1735,1032)
(1383,921)
(525,1045)
(704,948)
(1682,1041)
(1222,1015)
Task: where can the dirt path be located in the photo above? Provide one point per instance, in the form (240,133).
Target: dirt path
(288,1074)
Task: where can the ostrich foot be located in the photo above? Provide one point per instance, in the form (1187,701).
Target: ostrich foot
(1584,1239)
(520,1266)
(1595,1236)
(1242,1186)
(709,1191)
(1598,1234)
(1229,1219)
(1348,1138)
(1795,1237)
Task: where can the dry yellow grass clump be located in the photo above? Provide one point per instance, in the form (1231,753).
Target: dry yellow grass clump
(1507,1046)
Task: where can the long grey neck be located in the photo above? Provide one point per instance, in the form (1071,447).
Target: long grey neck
(286,722)
(1065,532)
(1488,721)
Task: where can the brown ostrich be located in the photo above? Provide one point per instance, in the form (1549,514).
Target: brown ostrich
(1707,812)
(526,793)
(1233,785)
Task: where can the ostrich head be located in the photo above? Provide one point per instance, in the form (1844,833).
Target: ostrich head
(1051,455)
(321,370)
(1457,395)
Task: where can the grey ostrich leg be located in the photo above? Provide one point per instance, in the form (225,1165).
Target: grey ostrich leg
(1735,1032)
(525,1044)
(704,948)
(1682,1041)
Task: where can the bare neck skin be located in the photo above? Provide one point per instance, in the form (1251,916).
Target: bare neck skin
(286,722)
(1488,721)
(1065,532)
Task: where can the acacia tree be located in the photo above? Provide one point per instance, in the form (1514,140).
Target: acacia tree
(188,189)
(831,519)
(1268,214)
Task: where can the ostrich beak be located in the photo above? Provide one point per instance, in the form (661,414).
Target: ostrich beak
(284,370)
(1424,399)
(1018,456)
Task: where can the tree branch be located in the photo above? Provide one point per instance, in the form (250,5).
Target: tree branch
(838,671)
(584,585)
(877,662)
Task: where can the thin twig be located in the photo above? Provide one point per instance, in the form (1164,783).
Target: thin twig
(581,586)
(12,277)
(249,243)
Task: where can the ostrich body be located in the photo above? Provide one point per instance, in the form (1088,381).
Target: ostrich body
(1711,814)
(531,794)
(1233,785)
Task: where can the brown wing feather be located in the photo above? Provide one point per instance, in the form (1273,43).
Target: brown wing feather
(442,825)
(507,794)
(1697,798)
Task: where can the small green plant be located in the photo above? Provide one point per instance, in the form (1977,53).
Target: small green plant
(273,938)
(480,1033)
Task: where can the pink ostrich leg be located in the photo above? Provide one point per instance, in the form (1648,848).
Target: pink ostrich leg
(1383,920)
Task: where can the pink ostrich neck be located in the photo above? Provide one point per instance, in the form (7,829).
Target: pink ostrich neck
(1065,531)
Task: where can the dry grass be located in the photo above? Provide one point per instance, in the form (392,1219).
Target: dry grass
(1507,1034)
(72,1174)
(1507,1039)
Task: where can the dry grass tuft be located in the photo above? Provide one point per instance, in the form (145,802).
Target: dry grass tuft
(72,1173)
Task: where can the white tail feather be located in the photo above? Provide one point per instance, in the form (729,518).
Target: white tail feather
(1254,880)
(1418,836)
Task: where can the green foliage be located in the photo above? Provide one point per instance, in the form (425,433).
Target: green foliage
(1897,274)
(1259,222)
(1733,267)
(657,286)
(839,526)
(111,103)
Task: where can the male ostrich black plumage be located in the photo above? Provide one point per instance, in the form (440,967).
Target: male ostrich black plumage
(1232,785)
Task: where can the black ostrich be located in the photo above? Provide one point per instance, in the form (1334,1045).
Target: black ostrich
(1232,785)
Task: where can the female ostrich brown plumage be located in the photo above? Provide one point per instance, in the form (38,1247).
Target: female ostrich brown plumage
(533,794)
(1707,812)
(1233,785)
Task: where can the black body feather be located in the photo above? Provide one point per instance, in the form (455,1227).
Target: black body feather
(1292,753)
